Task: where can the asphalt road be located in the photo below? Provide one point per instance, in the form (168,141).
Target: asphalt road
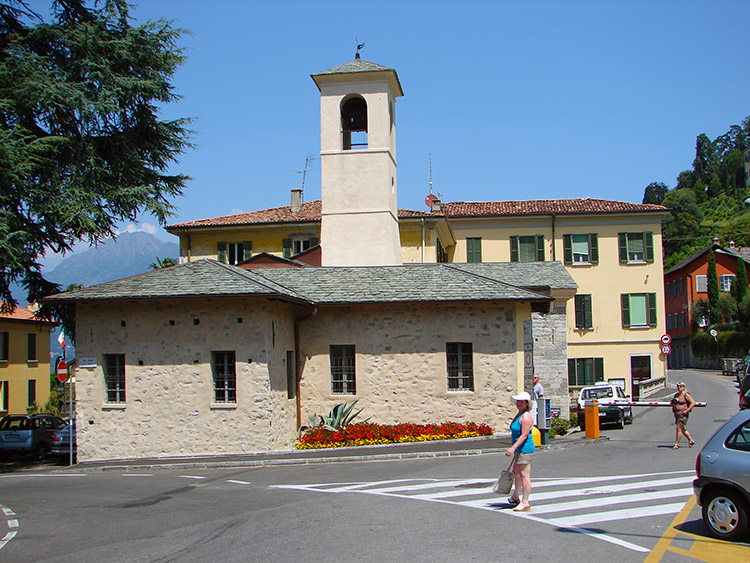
(616,499)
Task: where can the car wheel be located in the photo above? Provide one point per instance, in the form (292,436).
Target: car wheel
(725,514)
(41,452)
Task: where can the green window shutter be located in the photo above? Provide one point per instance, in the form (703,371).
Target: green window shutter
(652,309)
(571,372)
(222,252)
(540,248)
(313,242)
(588,321)
(649,244)
(474,249)
(567,249)
(514,249)
(286,246)
(623,244)
(247,250)
(579,311)
(593,248)
(625,300)
(598,369)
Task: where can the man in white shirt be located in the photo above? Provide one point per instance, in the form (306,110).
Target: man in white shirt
(538,389)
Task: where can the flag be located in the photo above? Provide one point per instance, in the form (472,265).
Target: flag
(61,339)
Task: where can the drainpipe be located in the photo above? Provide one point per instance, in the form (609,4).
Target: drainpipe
(423,238)
(298,367)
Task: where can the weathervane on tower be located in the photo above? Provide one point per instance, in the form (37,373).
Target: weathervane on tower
(359,47)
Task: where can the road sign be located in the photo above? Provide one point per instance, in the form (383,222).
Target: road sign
(713,333)
(62,371)
(666,339)
(666,349)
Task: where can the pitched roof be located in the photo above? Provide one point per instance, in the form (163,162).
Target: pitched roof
(337,285)
(573,206)
(309,212)
(23,314)
(357,65)
(737,252)
(201,278)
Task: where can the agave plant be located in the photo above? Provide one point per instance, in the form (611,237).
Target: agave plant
(339,417)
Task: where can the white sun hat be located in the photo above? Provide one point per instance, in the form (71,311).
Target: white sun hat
(522,396)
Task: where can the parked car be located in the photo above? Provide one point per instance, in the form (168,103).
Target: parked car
(28,434)
(60,442)
(722,488)
(610,397)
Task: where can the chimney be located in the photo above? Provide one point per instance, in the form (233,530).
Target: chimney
(716,240)
(296,200)
(435,207)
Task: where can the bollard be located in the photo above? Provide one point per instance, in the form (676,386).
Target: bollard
(592,419)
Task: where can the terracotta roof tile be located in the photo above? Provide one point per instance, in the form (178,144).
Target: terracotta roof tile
(574,206)
(308,213)
(22,314)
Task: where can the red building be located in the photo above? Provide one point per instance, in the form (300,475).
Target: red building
(686,283)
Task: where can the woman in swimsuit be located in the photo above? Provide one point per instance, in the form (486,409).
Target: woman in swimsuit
(682,404)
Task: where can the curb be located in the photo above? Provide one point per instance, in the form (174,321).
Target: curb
(281,461)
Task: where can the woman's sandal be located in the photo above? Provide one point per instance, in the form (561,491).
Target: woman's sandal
(513,501)
(691,444)
(521,508)
(676,447)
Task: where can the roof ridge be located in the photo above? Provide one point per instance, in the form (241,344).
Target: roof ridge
(506,284)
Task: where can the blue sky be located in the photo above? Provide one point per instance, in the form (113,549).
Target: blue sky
(513,100)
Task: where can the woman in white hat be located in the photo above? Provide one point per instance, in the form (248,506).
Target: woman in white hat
(523,447)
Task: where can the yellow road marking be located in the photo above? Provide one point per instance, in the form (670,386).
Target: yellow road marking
(704,548)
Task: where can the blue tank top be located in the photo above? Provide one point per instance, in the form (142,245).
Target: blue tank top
(515,430)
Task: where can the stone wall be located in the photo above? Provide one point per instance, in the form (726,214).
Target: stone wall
(551,358)
(169,408)
(401,373)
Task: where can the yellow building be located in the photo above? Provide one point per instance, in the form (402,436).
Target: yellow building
(24,361)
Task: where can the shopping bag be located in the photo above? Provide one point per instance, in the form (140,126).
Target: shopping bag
(505,482)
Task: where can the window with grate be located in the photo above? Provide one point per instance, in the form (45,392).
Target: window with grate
(459,362)
(225,377)
(343,378)
(114,377)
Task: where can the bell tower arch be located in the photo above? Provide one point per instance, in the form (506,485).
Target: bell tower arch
(359,222)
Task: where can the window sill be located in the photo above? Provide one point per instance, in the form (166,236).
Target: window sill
(636,262)
(114,406)
(640,327)
(575,264)
(32,362)
(223,406)
(583,328)
(460,390)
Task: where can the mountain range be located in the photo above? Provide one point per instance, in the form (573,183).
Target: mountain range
(128,255)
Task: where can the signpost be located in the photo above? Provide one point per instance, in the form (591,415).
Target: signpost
(666,349)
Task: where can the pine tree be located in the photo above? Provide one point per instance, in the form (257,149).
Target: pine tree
(82,147)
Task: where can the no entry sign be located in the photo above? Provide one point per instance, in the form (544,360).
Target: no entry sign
(62,371)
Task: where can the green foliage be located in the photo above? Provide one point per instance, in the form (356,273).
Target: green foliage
(560,427)
(731,344)
(82,147)
(712,283)
(700,311)
(716,205)
(339,417)
(655,192)
(163,263)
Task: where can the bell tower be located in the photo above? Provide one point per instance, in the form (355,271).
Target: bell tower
(359,223)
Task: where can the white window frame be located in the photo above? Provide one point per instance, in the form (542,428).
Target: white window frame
(725,282)
(701,284)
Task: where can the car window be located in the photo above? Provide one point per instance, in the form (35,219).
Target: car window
(740,438)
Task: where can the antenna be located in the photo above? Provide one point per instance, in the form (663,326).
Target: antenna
(308,160)
(431,197)
(429,179)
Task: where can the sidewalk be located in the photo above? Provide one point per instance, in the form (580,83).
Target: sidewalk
(389,452)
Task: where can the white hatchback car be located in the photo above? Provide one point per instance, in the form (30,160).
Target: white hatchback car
(609,396)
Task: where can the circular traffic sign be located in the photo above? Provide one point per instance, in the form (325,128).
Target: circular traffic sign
(713,332)
(666,349)
(666,339)
(62,371)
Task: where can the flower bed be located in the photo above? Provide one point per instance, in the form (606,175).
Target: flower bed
(366,434)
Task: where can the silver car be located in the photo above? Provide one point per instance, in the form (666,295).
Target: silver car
(722,488)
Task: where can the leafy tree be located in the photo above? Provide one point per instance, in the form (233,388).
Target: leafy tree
(655,192)
(685,179)
(705,159)
(681,230)
(740,283)
(712,282)
(162,263)
(82,147)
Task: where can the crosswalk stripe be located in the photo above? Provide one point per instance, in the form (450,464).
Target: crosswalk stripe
(610,500)
(625,514)
(608,489)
